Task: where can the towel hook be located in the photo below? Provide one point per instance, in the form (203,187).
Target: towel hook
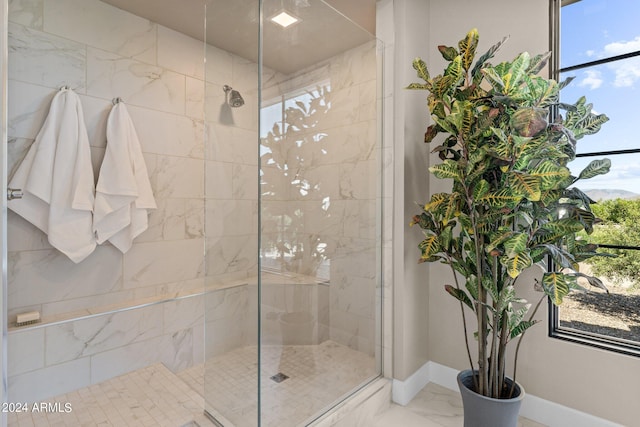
(65,87)
(117,100)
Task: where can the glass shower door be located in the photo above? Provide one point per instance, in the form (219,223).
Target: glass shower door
(293,202)
(320,190)
(231,223)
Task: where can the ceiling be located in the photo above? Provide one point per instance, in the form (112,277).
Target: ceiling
(232,25)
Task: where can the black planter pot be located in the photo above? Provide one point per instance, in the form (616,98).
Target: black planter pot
(481,411)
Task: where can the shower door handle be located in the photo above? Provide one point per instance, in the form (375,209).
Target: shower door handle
(14,193)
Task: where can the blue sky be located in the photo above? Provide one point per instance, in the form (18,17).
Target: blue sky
(591,30)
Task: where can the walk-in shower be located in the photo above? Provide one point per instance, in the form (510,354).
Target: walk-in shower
(257,285)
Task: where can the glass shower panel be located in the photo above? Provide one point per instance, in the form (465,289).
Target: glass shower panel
(231,96)
(319,211)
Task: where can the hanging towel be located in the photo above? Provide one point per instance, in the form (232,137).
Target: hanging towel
(123,193)
(57,179)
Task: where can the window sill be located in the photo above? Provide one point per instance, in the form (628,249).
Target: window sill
(596,340)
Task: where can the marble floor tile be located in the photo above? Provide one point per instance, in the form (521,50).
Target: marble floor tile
(318,376)
(151,396)
(433,406)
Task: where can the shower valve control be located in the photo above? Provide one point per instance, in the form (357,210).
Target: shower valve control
(14,193)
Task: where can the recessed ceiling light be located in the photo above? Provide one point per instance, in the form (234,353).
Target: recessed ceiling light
(285,19)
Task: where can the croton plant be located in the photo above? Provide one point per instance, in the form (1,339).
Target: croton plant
(504,141)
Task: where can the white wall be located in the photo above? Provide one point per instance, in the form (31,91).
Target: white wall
(411,291)
(590,380)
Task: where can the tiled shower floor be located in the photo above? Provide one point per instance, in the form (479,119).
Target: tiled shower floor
(318,375)
(154,396)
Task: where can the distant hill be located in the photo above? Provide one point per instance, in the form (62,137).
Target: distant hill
(607,194)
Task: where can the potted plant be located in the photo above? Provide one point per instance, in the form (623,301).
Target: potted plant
(512,204)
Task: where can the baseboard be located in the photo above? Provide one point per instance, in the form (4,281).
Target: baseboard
(540,410)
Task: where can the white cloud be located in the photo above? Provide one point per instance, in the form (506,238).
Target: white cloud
(618,48)
(627,71)
(590,53)
(592,79)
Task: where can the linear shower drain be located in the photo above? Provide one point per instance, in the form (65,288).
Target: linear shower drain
(279,377)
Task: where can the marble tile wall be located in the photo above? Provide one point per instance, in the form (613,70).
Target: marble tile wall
(175,101)
(103,52)
(201,157)
(321,191)
(59,358)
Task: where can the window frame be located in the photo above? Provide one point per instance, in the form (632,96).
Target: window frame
(590,339)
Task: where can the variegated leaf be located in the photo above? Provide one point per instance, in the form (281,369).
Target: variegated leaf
(521,327)
(498,238)
(419,86)
(437,200)
(516,244)
(593,281)
(550,174)
(530,121)
(526,185)
(557,285)
(565,82)
(468,47)
(429,247)
(595,168)
(444,124)
(503,197)
(554,230)
(586,218)
(442,85)
(494,79)
(431,133)
(517,263)
(460,295)
(455,71)
(517,71)
(538,62)
(421,67)
(448,52)
(481,189)
(452,208)
(475,73)
(447,170)
(590,125)
(546,92)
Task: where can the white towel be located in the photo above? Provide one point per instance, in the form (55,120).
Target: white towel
(57,179)
(123,193)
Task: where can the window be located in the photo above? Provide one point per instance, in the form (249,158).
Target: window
(295,203)
(599,45)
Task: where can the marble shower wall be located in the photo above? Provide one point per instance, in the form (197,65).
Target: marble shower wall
(176,104)
(103,52)
(321,189)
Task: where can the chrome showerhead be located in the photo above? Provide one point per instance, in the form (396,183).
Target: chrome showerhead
(234,99)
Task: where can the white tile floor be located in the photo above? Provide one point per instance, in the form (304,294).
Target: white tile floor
(319,375)
(151,396)
(154,396)
(433,406)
